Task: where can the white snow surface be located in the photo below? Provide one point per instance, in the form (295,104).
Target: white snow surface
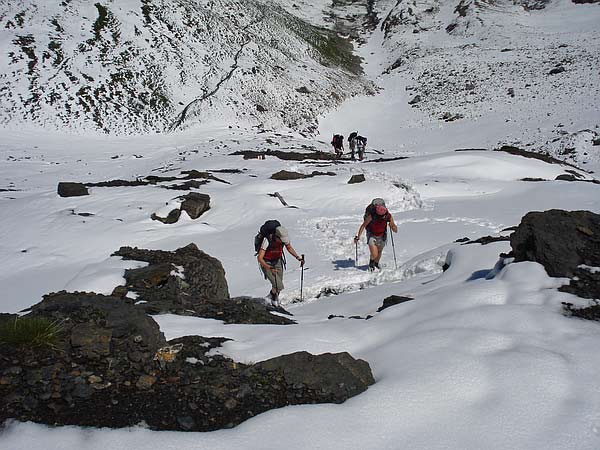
(482,358)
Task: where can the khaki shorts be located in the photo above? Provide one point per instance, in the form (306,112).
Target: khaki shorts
(276,279)
(379,241)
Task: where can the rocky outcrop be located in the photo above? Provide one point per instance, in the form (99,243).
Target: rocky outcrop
(187,281)
(559,240)
(113,368)
(566,243)
(69,189)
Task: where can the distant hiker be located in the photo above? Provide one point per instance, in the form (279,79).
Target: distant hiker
(376,220)
(338,145)
(361,145)
(352,143)
(269,244)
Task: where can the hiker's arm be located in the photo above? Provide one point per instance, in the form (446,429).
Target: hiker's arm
(263,263)
(292,251)
(393,225)
(362,227)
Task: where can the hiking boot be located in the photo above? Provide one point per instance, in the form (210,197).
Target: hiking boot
(376,265)
(274,299)
(371,265)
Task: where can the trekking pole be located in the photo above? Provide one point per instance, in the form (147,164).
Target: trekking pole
(302,278)
(356,258)
(393,246)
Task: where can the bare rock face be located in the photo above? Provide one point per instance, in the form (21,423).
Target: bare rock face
(69,189)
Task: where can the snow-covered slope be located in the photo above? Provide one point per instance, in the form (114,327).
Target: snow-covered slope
(131,66)
(483,358)
(527,72)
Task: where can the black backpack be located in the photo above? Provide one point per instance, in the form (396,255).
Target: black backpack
(266,231)
(352,136)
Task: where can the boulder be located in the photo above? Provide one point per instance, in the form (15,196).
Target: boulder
(393,300)
(559,240)
(356,179)
(190,282)
(337,374)
(69,189)
(195,204)
(97,325)
(172,217)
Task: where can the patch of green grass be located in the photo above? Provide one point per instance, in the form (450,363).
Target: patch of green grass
(30,332)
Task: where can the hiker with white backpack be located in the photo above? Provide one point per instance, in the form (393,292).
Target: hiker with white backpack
(376,220)
(269,244)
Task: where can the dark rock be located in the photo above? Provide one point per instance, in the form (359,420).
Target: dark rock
(261,108)
(186,423)
(68,189)
(119,292)
(152,276)
(449,117)
(527,154)
(91,340)
(393,300)
(99,325)
(286,156)
(119,183)
(287,175)
(199,290)
(338,374)
(464,239)
(566,177)
(190,184)
(145,382)
(533,179)
(487,240)
(511,92)
(416,99)
(596,142)
(582,2)
(559,240)
(359,178)
(303,90)
(195,204)
(172,217)
(557,70)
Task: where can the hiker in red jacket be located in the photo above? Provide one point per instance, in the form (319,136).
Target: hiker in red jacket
(376,220)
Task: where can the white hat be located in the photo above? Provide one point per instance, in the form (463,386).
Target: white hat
(282,233)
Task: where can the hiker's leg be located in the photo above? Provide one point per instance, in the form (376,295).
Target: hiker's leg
(272,279)
(379,252)
(279,276)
